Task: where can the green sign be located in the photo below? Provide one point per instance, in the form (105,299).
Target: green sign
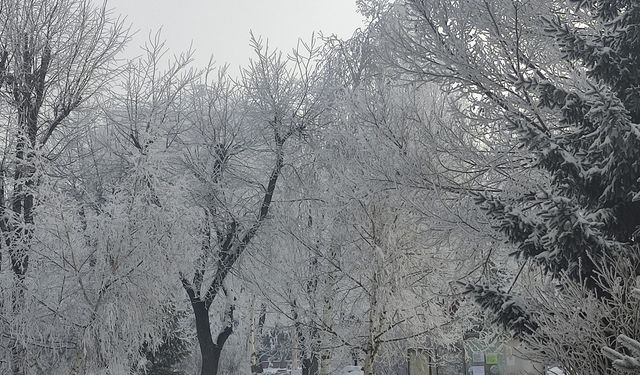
(491,358)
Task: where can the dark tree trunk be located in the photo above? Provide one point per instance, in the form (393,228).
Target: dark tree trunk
(310,365)
(310,360)
(308,345)
(212,361)
(209,350)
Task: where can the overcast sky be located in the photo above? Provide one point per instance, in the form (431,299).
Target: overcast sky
(221,27)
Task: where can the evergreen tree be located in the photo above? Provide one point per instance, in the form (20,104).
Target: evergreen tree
(590,214)
(174,349)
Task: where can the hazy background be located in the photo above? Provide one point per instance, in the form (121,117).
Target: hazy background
(221,28)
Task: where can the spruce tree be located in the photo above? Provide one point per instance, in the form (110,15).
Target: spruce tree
(174,349)
(590,214)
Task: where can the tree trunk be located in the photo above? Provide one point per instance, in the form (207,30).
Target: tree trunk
(17,358)
(19,246)
(325,355)
(368,364)
(253,358)
(78,363)
(305,347)
(295,349)
(327,310)
(369,358)
(18,351)
(310,360)
(255,333)
(208,349)
(210,365)
(310,365)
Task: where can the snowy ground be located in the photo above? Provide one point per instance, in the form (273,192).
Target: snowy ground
(348,370)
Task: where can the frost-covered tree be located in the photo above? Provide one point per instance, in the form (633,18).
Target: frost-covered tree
(627,358)
(590,213)
(54,56)
(103,255)
(244,133)
(575,110)
(368,224)
(574,323)
(625,362)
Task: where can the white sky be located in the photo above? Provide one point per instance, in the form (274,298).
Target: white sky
(221,27)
